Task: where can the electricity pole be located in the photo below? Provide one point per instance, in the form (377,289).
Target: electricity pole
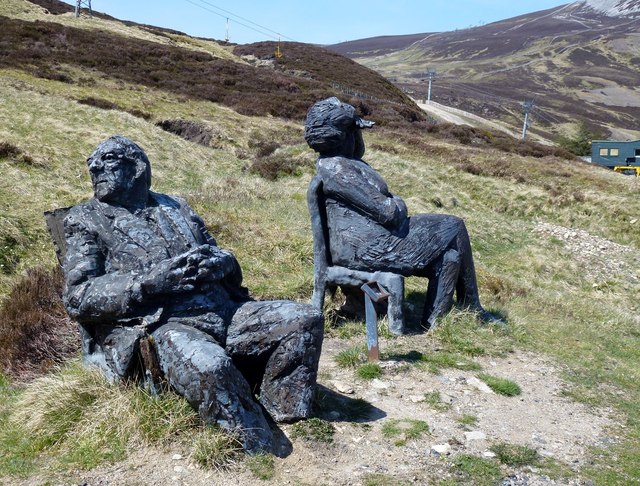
(226,37)
(431,74)
(528,106)
(83,3)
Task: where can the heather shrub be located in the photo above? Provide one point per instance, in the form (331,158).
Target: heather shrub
(35,331)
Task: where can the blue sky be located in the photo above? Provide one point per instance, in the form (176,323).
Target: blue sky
(314,21)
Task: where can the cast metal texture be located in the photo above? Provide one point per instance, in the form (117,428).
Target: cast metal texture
(142,265)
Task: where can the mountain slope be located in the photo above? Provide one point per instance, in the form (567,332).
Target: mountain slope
(579,61)
(555,245)
(53,45)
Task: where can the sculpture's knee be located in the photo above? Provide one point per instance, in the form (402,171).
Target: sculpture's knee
(188,358)
(451,257)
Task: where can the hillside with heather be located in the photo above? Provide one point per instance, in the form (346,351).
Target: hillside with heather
(579,62)
(552,398)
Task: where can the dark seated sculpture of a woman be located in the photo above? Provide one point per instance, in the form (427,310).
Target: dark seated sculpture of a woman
(369,228)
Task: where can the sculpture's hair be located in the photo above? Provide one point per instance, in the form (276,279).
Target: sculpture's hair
(328,123)
(131,150)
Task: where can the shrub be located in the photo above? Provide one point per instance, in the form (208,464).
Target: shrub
(35,331)
(187,129)
(279,164)
(8,150)
(579,143)
(98,103)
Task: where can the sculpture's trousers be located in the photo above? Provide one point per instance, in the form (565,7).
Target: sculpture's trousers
(272,351)
(276,345)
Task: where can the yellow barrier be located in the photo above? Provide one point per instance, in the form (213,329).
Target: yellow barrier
(624,169)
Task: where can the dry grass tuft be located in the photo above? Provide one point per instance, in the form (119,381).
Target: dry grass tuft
(76,417)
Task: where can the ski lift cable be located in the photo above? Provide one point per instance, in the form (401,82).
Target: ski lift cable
(229,14)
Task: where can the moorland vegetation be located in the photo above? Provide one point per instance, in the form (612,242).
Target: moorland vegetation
(226,133)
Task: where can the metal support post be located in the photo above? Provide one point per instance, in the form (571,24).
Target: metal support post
(528,106)
(431,73)
(373,293)
(83,3)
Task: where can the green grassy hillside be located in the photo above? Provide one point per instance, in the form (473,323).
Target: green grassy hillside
(248,178)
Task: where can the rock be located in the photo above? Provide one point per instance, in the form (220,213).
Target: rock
(441,449)
(379,384)
(342,387)
(479,385)
(176,457)
(489,454)
(448,399)
(416,398)
(475,435)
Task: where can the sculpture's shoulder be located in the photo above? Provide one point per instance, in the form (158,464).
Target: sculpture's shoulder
(84,214)
(174,202)
(332,168)
(334,163)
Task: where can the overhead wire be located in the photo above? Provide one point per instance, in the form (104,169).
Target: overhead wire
(260,29)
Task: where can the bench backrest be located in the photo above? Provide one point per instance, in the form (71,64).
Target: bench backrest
(55,224)
(319,228)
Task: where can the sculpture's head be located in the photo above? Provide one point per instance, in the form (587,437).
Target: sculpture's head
(120,172)
(333,128)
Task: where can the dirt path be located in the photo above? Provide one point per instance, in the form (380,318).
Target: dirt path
(460,117)
(542,417)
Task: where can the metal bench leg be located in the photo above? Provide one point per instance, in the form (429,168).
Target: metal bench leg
(395,311)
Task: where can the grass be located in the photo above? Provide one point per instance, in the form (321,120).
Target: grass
(213,449)
(476,470)
(502,386)
(314,430)
(351,357)
(261,466)
(383,480)
(467,420)
(404,430)
(515,455)
(369,371)
(75,419)
(434,400)
(551,303)
(435,362)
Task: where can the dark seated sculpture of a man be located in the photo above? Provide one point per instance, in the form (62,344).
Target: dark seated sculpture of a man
(141,264)
(369,227)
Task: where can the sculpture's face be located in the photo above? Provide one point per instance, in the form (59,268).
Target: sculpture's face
(353,146)
(116,177)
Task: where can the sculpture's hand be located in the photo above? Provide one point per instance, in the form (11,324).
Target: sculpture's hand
(215,264)
(400,212)
(182,273)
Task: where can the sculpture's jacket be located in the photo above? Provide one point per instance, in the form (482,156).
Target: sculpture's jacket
(110,250)
(368,226)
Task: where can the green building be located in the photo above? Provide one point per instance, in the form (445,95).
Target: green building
(611,153)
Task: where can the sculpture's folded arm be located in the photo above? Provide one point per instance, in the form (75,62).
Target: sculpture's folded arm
(343,181)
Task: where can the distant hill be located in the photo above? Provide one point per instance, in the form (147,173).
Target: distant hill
(579,61)
(167,60)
